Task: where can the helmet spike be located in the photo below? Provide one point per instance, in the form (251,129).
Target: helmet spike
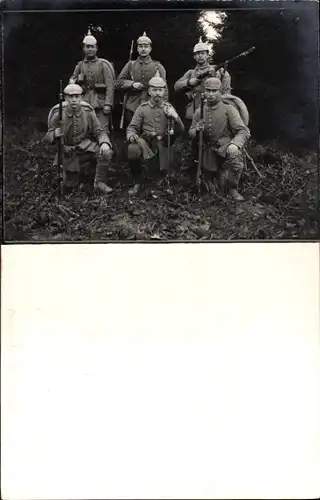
(144,39)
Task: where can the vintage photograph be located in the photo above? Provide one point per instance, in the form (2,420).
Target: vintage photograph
(161,125)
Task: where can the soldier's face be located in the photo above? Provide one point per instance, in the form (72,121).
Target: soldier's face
(212,95)
(157,94)
(201,57)
(90,50)
(73,100)
(144,49)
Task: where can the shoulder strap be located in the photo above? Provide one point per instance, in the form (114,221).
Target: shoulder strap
(53,110)
(86,105)
(130,68)
(110,66)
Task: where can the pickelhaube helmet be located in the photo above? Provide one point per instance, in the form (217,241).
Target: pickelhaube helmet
(212,83)
(200,46)
(72,88)
(89,39)
(157,81)
(144,39)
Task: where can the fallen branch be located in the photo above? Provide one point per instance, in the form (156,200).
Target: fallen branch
(253,164)
(67,211)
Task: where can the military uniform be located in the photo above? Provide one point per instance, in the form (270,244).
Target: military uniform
(151,123)
(82,136)
(194,93)
(140,70)
(98,85)
(222,126)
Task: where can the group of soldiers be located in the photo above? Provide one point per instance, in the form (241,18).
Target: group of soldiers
(151,123)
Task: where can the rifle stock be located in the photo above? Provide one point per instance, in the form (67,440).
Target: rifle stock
(126,95)
(200,154)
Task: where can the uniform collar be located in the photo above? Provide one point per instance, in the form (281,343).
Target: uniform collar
(204,66)
(91,60)
(144,61)
(70,113)
(156,105)
(213,106)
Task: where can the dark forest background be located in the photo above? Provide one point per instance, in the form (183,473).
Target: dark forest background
(278,82)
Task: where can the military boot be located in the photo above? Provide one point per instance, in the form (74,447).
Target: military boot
(137,173)
(235,195)
(134,190)
(100,184)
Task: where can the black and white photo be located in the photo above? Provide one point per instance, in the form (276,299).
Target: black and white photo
(161,124)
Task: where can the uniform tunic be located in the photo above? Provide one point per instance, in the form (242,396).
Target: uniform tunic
(194,93)
(223,126)
(82,135)
(151,124)
(96,71)
(141,70)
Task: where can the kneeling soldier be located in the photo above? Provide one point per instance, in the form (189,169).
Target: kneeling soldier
(148,134)
(85,142)
(225,135)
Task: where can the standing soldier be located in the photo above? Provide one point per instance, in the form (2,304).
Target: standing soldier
(224,135)
(135,76)
(97,79)
(192,81)
(152,126)
(85,143)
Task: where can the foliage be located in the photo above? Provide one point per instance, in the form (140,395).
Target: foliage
(278,81)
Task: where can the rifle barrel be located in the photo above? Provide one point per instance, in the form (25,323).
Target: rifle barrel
(228,61)
(126,95)
(200,155)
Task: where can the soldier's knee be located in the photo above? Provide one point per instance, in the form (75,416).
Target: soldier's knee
(107,155)
(134,152)
(236,164)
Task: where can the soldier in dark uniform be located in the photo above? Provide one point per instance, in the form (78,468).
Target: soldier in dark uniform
(191,83)
(96,76)
(135,76)
(147,134)
(225,136)
(85,143)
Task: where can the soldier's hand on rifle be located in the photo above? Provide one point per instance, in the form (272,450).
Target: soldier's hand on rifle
(106,109)
(200,125)
(171,112)
(137,86)
(58,133)
(133,138)
(193,81)
(232,150)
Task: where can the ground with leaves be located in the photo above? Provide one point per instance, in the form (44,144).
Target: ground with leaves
(281,205)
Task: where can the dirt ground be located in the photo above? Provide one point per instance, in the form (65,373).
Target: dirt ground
(281,205)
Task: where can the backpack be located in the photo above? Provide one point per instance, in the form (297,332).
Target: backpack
(239,105)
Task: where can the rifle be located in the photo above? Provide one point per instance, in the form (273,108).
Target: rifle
(60,142)
(224,65)
(170,132)
(126,96)
(200,155)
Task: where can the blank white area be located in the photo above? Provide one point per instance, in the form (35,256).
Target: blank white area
(160,371)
